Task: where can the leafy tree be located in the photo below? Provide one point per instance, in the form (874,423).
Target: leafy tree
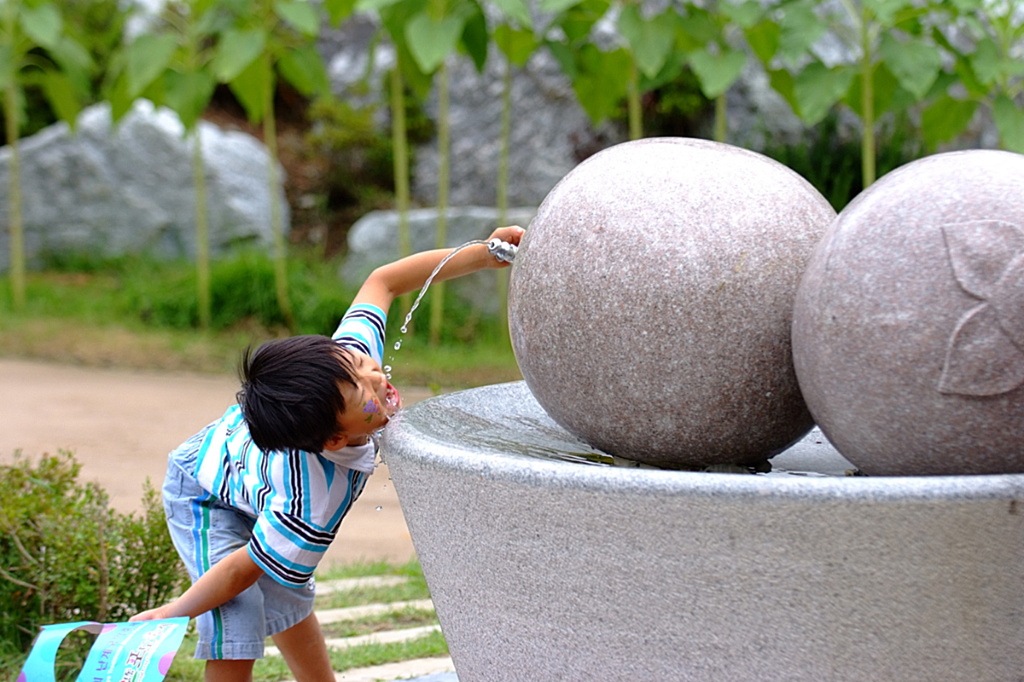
(600,78)
(985,38)
(404,78)
(654,49)
(649,42)
(896,60)
(432,33)
(516,41)
(266,39)
(37,48)
(171,65)
(717,59)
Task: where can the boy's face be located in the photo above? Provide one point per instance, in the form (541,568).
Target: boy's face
(369,404)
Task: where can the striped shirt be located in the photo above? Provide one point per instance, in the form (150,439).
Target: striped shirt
(298,499)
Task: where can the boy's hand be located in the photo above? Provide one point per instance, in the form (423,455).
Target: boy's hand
(513,235)
(159,613)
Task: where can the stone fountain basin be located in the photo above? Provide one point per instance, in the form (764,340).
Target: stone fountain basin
(543,568)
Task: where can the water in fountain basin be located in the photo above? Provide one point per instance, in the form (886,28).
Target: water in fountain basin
(505,419)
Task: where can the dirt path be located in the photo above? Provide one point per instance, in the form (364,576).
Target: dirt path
(121,424)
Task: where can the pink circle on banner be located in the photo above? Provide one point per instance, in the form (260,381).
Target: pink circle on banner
(22,678)
(165,662)
(108,627)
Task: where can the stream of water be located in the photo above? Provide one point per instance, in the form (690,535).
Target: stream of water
(423,291)
(426,285)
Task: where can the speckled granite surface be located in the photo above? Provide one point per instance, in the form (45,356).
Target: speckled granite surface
(908,331)
(544,569)
(651,302)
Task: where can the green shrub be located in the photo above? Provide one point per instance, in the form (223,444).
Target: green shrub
(831,161)
(242,288)
(66,556)
(361,164)
(677,108)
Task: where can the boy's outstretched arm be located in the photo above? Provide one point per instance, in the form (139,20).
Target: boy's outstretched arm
(228,578)
(390,281)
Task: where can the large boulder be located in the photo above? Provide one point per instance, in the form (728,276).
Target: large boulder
(651,302)
(106,190)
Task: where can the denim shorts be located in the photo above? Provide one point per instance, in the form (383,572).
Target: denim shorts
(204,531)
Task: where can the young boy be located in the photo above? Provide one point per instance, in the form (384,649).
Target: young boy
(255,498)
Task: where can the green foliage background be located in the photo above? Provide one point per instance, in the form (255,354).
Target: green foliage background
(65,555)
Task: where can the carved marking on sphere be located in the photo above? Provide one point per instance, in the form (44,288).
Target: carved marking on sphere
(985,355)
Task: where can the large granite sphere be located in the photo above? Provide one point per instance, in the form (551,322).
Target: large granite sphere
(908,331)
(651,301)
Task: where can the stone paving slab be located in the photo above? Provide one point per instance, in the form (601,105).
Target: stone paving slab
(349,584)
(382,637)
(369,610)
(438,669)
(436,677)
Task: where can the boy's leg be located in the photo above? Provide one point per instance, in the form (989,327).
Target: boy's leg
(228,671)
(305,651)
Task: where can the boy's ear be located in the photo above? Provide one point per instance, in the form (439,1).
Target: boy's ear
(336,442)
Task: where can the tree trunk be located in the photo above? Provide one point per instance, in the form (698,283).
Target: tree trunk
(400,146)
(276,217)
(202,231)
(443,131)
(16,228)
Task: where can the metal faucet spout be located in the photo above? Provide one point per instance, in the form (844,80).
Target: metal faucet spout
(503,251)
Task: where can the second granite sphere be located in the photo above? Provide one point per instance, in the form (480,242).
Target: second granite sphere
(908,332)
(651,301)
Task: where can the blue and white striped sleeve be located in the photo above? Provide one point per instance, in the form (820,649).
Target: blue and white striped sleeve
(362,329)
(288,547)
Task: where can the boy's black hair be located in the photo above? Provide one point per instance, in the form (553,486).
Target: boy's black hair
(291,397)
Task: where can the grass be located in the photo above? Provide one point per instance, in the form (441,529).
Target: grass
(414,589)
(270,669)
(397,619)
(141,315)
(364,569)
(427,646)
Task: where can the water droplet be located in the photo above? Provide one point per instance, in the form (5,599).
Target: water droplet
(387,368)
(379,507)
(398,344)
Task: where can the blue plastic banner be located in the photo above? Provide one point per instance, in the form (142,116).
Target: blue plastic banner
(122,652)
